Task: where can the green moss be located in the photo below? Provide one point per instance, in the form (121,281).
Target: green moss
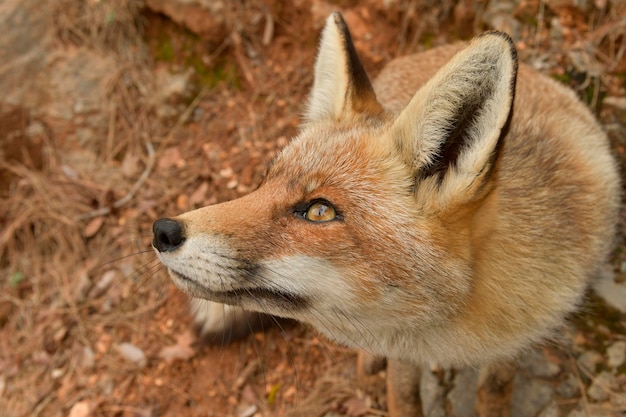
(427,40)
(563,78)
(182,48)
(164,49)
(15,279)
(210,76)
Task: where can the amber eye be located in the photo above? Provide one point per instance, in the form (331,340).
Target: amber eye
(320,211)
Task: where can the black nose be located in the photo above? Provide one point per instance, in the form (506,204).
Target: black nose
(168,235)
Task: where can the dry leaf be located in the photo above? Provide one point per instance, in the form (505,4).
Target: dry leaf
(182,202)
(132,353)
(130,165)
(93,227)
(175,352)
(81,409)
(181,350)
(199,195)
(171,158)
(356,407)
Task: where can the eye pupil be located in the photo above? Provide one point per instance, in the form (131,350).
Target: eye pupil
(320,212)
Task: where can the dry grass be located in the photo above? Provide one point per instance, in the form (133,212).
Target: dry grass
(68,237)
(40,214)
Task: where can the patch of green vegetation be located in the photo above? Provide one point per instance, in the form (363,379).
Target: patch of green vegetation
(427,40)
(564,78)
(588,95)
(15,279)
(110,17)
(271,396)
(164,49)
(183,48)
(210,76)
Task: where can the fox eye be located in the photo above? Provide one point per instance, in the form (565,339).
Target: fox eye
(320,211)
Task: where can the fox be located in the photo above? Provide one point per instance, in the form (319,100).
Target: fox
(453,211)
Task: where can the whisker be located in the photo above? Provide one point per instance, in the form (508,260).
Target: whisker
(120,258)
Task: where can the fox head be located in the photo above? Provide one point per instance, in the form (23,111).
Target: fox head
(359,226)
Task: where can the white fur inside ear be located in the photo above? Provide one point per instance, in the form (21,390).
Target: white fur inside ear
(328,94)
(486,131)
(476,85)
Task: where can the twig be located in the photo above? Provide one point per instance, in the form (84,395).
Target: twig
(240,56)
(581,385)
(268,30)
(130,195)
(183,118)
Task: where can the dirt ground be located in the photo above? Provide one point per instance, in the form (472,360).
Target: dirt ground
(191,111)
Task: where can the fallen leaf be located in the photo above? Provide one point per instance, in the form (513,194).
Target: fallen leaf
(182,202)
(132,353)
(174,352)
(171,158)
(81,409)
(356,407)
(182,350)
(130,165)
(93,227)
(199,195)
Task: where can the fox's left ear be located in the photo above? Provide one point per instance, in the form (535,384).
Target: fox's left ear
(341,88)
(450,131)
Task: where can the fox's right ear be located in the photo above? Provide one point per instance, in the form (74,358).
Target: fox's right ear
(449,132)
(341,88)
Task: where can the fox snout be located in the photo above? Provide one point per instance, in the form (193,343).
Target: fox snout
(168,235)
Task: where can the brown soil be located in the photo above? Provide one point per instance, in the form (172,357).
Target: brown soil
(78,284)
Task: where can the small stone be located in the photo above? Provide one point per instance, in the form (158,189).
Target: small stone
(462,397)
(613,293)
(538,365)
(577,412)
(569,388)
(132,353)
(35,129)
(81,409)
(530,396)
(601,386)
(552,410)
(88,358)
(616,354)
(620,104)
(618,402)
(589,361)
(246,410)
(226,172)
(431,393)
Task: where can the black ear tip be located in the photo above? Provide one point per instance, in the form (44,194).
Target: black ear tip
(499,33)
(504,36)
(339,21)
(338,18)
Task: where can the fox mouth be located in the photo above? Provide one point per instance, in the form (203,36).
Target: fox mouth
(256,298)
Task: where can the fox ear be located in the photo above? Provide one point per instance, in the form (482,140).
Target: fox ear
(449,132)
(341,88)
